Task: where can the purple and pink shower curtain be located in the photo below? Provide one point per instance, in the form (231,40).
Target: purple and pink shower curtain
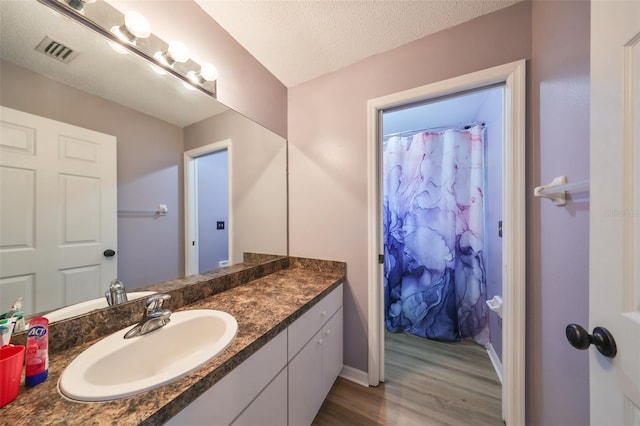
(434,271)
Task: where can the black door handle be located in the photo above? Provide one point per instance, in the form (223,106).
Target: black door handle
(601,338)
(109,253)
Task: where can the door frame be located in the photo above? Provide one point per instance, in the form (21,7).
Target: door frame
(191,260)
(513,75)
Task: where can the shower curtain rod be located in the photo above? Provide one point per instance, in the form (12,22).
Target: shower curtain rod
(459,126)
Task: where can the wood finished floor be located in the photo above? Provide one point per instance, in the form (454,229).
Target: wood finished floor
(427,383)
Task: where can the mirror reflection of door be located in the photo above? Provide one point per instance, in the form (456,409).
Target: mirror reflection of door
(212,173)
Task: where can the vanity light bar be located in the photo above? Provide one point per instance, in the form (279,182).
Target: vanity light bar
(101,17)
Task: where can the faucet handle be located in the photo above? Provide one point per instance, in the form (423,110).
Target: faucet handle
(155,302)
(161,314)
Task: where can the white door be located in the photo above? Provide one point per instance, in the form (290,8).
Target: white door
(57,212)
(614,287)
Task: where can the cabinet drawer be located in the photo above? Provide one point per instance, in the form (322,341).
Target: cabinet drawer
(303,329)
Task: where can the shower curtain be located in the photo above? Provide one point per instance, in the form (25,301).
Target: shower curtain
(434,271)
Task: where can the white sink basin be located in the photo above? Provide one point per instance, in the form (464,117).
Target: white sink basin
(116,367)
(90,305)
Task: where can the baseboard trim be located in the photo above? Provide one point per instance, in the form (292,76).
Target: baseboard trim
(354,375)
(495,361)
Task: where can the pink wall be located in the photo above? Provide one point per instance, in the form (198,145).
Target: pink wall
(558,285)
(328,187)
(244,84)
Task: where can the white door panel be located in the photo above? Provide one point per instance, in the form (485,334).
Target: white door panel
(57,212)
(79,284)
(79,204)
(614,288)
(18,191)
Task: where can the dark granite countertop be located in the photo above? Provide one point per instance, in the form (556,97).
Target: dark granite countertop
(263,308)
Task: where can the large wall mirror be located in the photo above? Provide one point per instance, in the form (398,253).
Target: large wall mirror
(237,169)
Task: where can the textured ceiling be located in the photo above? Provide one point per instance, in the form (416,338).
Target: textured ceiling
(300,40)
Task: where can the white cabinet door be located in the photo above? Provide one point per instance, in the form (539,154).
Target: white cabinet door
(305,382)
(614,275)
(315,367)
(226,400)
(331,352)
(270,407)
(57,212)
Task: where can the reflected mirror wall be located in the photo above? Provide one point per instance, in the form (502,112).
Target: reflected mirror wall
(155,120)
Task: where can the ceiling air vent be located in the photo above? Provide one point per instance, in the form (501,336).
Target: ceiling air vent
(56,50)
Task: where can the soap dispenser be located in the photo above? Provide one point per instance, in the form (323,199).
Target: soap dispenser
(116,294)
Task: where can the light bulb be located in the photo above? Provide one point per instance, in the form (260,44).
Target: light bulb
(120,34)
(194,77)
(208,72)
(161,57)
(137,25)
(177,52)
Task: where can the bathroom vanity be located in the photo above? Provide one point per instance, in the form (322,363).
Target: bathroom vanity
(305,358)
(278,369)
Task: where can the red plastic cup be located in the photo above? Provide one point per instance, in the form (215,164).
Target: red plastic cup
(11,362)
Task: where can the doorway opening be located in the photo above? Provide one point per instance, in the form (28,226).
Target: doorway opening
(208,215)
(512,77)
(213,210)
(442,206)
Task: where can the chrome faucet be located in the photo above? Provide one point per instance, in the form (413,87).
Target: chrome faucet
(153,318)
(116,294)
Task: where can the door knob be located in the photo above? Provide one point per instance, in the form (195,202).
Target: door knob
(601,338)
(109,253)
